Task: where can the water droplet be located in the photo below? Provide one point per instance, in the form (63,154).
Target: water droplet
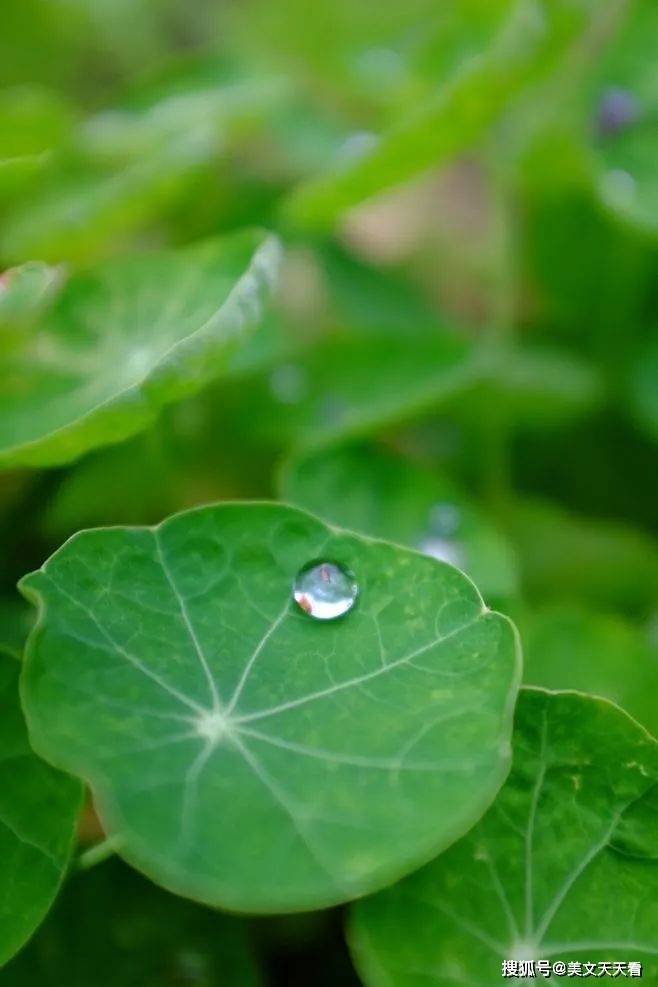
(618,110)
(324,590)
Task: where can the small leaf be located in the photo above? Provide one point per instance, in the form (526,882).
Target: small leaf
(540,876)
(112,928)
(125,340)
(39,809)
(243,753)
(387,496)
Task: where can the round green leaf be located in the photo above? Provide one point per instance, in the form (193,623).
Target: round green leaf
(126,339)
(243,753)
(541,876)
(386,496)
(39,809)
(112,928)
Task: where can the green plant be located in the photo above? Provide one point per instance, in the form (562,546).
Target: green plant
(327,360)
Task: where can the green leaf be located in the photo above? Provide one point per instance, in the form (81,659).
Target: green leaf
(25,293)
(459,108)
(127,167)
(111,928)
(609,565)
(33,122)
(346,386)
(568,647)
(39,809)
(540,876)
(126,339)
(243,753)
(644,389)
(15,624)
(622,106)
(387,496)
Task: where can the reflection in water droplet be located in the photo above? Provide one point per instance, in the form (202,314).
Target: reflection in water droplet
(618,110)
(288,383)
(324,590)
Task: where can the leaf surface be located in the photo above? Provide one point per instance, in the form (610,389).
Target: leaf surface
(243,753)
(126,339)
(541,876)
(39,808)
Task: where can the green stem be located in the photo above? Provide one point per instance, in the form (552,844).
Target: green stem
(97,854)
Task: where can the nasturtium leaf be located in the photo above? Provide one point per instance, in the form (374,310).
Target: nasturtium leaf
(33,122)
(243,753)
(25,292)
(39,809)
(566,646)
(127,338)
(345,386)
(540,877)
(622,105)
(462,104)
(387,496)
(112,928)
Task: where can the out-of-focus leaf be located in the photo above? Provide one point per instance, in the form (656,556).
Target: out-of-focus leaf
(128,166)
(568,647)
(39,808)
(539,386)
(126,339)
(387,496)
(111,928)
(33,122)
(473,96)
(623,110)
(15,624)
(244,753)
(349,386)
(540,877)
(25,292)
(644,388)
(565,557)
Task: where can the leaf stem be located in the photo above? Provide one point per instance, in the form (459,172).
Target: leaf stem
(97,853)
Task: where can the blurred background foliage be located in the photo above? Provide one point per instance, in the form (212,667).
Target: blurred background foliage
(463,352)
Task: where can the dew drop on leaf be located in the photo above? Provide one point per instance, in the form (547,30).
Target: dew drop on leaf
(324,590)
